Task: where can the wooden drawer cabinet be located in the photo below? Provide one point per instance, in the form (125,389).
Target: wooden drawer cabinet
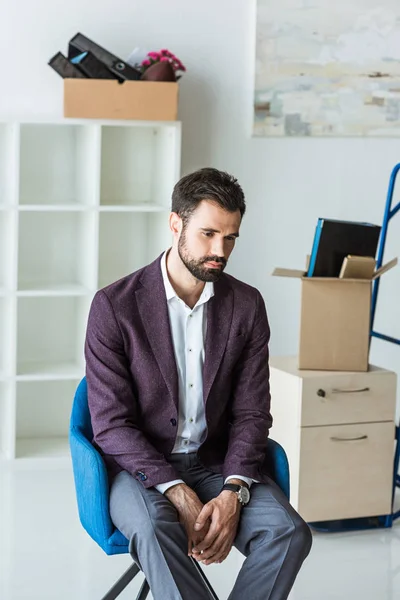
(338,432)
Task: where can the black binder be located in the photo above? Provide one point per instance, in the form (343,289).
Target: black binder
(118,67)
(334,240)
(63,67)
(92,67)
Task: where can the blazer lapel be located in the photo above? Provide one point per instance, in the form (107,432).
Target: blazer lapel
(153,308)
(219,319)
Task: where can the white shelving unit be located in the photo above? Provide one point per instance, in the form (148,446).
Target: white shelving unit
(82,203)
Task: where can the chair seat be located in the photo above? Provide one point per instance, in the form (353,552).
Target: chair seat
(116,544)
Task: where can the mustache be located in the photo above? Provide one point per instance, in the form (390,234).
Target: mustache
(216,259)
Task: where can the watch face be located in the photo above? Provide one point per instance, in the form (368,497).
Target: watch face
(244,495)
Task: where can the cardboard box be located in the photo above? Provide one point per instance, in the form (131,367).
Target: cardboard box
(335,320)
(109,99)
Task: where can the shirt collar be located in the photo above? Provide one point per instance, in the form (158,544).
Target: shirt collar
(207,293)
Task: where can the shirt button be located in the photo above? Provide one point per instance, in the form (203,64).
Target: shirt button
(190,385)
(186,442)
(190,316)
(191,420)
(190,349)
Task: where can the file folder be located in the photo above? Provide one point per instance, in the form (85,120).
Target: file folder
(91,66)
(63,67)
(122,71)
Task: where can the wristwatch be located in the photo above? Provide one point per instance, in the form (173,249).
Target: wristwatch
(241,491)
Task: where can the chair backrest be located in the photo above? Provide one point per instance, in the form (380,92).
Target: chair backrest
(91,480)
(278,466)
(80,416)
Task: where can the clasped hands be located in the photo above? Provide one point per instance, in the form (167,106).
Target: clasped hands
(210,528)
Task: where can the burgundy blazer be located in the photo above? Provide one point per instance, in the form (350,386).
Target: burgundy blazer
(133,383)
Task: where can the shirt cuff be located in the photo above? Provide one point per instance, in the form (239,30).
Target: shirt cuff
(245,479)
(163,487)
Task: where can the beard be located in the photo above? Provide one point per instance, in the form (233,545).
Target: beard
(197,266)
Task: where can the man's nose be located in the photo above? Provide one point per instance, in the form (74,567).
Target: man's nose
(218,248)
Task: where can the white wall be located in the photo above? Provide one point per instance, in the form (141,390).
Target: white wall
(288,182)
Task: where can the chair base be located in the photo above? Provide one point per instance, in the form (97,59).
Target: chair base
(131,573)
(122,582)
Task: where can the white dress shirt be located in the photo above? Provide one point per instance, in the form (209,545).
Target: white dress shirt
(188,328)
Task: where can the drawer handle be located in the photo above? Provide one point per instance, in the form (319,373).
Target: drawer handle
(355,439)
(354,391)
(322,393)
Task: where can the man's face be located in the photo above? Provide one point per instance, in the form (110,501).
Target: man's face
(207,240)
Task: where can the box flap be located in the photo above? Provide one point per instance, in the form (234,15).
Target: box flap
(358,267)
(392,263)
(297,273)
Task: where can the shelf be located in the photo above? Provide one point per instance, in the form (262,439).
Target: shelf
(55,249)
(58,164)
(138,165)
(138,238)
(41,448)
(49,372)
(82,203)
(134,208)
(67,122)
(50,337)
(32,290)
(53,208)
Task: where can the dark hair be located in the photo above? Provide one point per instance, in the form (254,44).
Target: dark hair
(207,184)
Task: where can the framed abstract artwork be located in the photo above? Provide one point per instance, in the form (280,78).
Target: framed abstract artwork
(327,68)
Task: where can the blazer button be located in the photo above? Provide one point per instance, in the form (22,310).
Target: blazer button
(141,476)
(173,422)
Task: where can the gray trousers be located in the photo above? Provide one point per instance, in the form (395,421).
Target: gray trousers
(272,536)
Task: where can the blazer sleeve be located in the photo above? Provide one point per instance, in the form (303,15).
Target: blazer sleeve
(112,403)
(250,403)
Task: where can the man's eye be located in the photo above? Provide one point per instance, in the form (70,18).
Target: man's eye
(208,233)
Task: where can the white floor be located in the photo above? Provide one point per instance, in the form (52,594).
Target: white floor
(46,555)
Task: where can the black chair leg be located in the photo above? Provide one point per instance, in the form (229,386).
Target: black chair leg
(130,573)
(206,583)
(144,591)
(122,582)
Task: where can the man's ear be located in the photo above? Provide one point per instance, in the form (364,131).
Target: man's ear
(175,224)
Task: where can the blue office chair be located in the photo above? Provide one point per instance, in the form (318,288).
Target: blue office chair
(92,492)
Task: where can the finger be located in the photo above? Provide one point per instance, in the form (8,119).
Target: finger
(207,541)
(219,556)
(222,559)
(204,555)
(190,544)
(204,515)
(214,549)
(198,537)
(211,535)
(225,555)
(219,551)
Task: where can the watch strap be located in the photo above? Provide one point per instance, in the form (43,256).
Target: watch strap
(232,487)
